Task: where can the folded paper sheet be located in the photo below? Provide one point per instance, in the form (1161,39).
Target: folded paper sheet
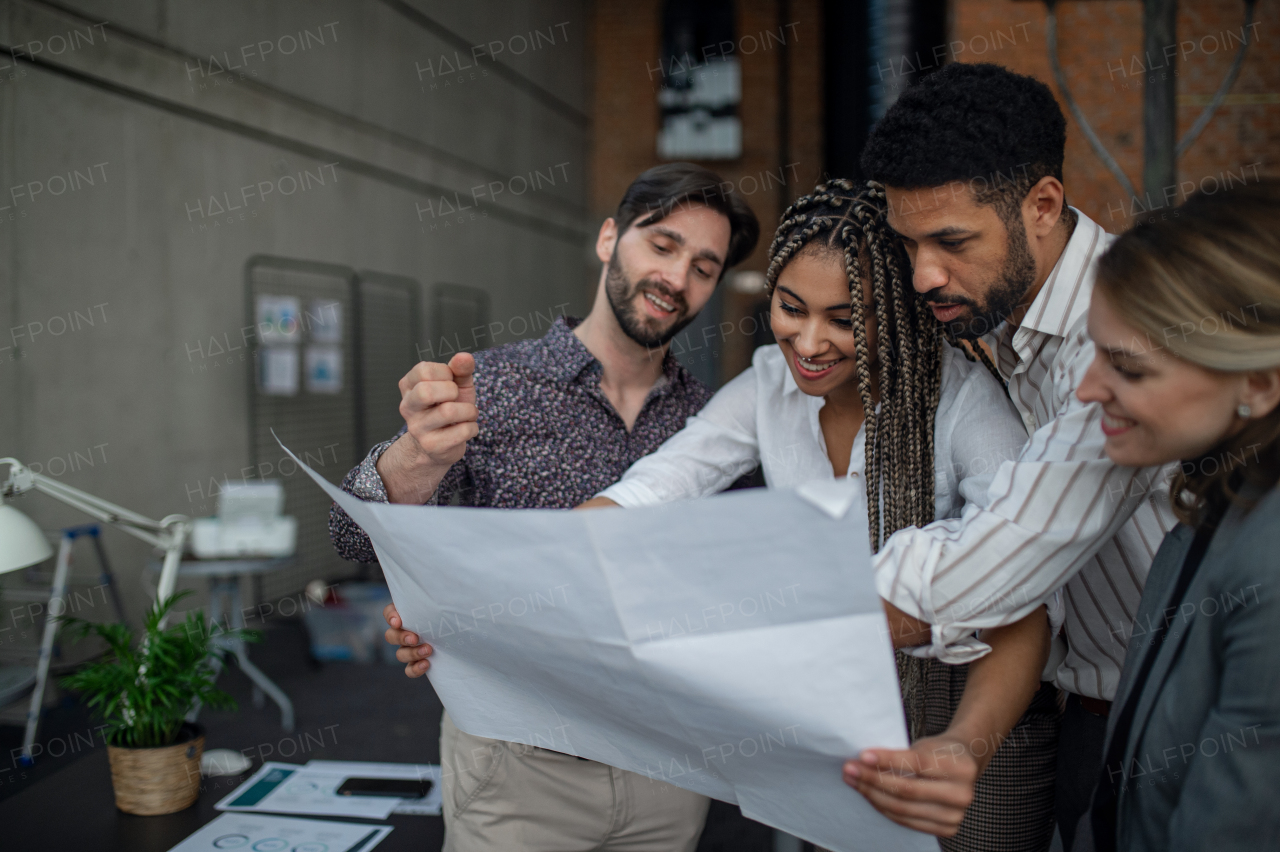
(733,646)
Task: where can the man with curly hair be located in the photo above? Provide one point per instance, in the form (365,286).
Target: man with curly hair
(971,160)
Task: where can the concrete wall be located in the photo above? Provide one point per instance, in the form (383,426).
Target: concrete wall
(116,268)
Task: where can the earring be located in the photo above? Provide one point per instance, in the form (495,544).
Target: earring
(1244,411)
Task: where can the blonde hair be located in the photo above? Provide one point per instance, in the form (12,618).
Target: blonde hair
(1205,285)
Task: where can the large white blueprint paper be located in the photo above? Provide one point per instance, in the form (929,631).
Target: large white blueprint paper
(733,646)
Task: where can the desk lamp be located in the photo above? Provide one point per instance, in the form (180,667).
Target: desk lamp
(23,544)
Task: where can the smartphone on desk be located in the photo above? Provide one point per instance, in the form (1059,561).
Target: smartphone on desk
(400,788)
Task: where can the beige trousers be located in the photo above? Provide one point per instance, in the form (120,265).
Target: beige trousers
(508,797)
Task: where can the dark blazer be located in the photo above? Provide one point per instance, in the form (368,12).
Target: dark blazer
(1202,764)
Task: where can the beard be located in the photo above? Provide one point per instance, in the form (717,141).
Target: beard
(647,331)
(1004,294)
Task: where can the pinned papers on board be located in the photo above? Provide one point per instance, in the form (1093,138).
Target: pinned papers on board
(278,319)
(279,370)
(324,369)
(324,321)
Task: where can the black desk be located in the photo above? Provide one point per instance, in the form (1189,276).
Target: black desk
(75,809)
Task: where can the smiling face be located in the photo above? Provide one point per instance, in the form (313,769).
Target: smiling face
(972,268)
(811,319)
(661,274)
(1157,408)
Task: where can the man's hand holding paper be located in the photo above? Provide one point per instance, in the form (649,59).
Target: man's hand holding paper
(637,639)
(411,650)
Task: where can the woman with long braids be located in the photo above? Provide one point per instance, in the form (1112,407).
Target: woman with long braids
(861,385)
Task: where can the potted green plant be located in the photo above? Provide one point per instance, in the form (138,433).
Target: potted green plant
(142,689)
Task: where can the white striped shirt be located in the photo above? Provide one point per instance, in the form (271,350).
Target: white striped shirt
(1061,515)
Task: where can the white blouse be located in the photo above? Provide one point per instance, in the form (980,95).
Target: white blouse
(762,417)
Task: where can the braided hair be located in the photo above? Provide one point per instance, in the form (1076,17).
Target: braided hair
(838,216)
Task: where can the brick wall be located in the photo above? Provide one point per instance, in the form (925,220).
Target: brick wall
(1100,48)
(626,77)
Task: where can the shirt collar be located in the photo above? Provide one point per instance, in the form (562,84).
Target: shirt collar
(1064,298)
(564,358)
(789,386)
(561,354)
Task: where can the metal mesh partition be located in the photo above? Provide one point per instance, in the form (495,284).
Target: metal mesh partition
(459,321)
(305,386)
(389,333)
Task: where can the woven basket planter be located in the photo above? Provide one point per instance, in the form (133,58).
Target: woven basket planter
(162,780)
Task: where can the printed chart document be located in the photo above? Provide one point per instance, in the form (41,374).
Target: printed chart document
(286,788)
(733,646)
(428,805)
(281,834)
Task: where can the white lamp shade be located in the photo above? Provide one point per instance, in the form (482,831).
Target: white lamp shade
(21,541)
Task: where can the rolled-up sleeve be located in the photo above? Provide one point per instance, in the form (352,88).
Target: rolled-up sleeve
(1044,515)
(365,482)
(362,481)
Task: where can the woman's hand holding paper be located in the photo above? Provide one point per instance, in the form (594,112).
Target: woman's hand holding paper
(412,652)
(927,787)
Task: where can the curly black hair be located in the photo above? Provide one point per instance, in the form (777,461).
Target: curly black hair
(1002,132)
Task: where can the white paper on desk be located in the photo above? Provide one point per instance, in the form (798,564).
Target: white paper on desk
(286,788)
(733,646)
(277,834)
(428,805)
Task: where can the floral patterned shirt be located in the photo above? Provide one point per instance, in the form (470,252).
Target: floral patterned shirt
(549,439)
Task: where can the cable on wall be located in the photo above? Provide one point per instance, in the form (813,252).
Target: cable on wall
(1051,36)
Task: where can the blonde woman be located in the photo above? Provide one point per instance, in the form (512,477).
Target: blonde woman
(1186,320)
